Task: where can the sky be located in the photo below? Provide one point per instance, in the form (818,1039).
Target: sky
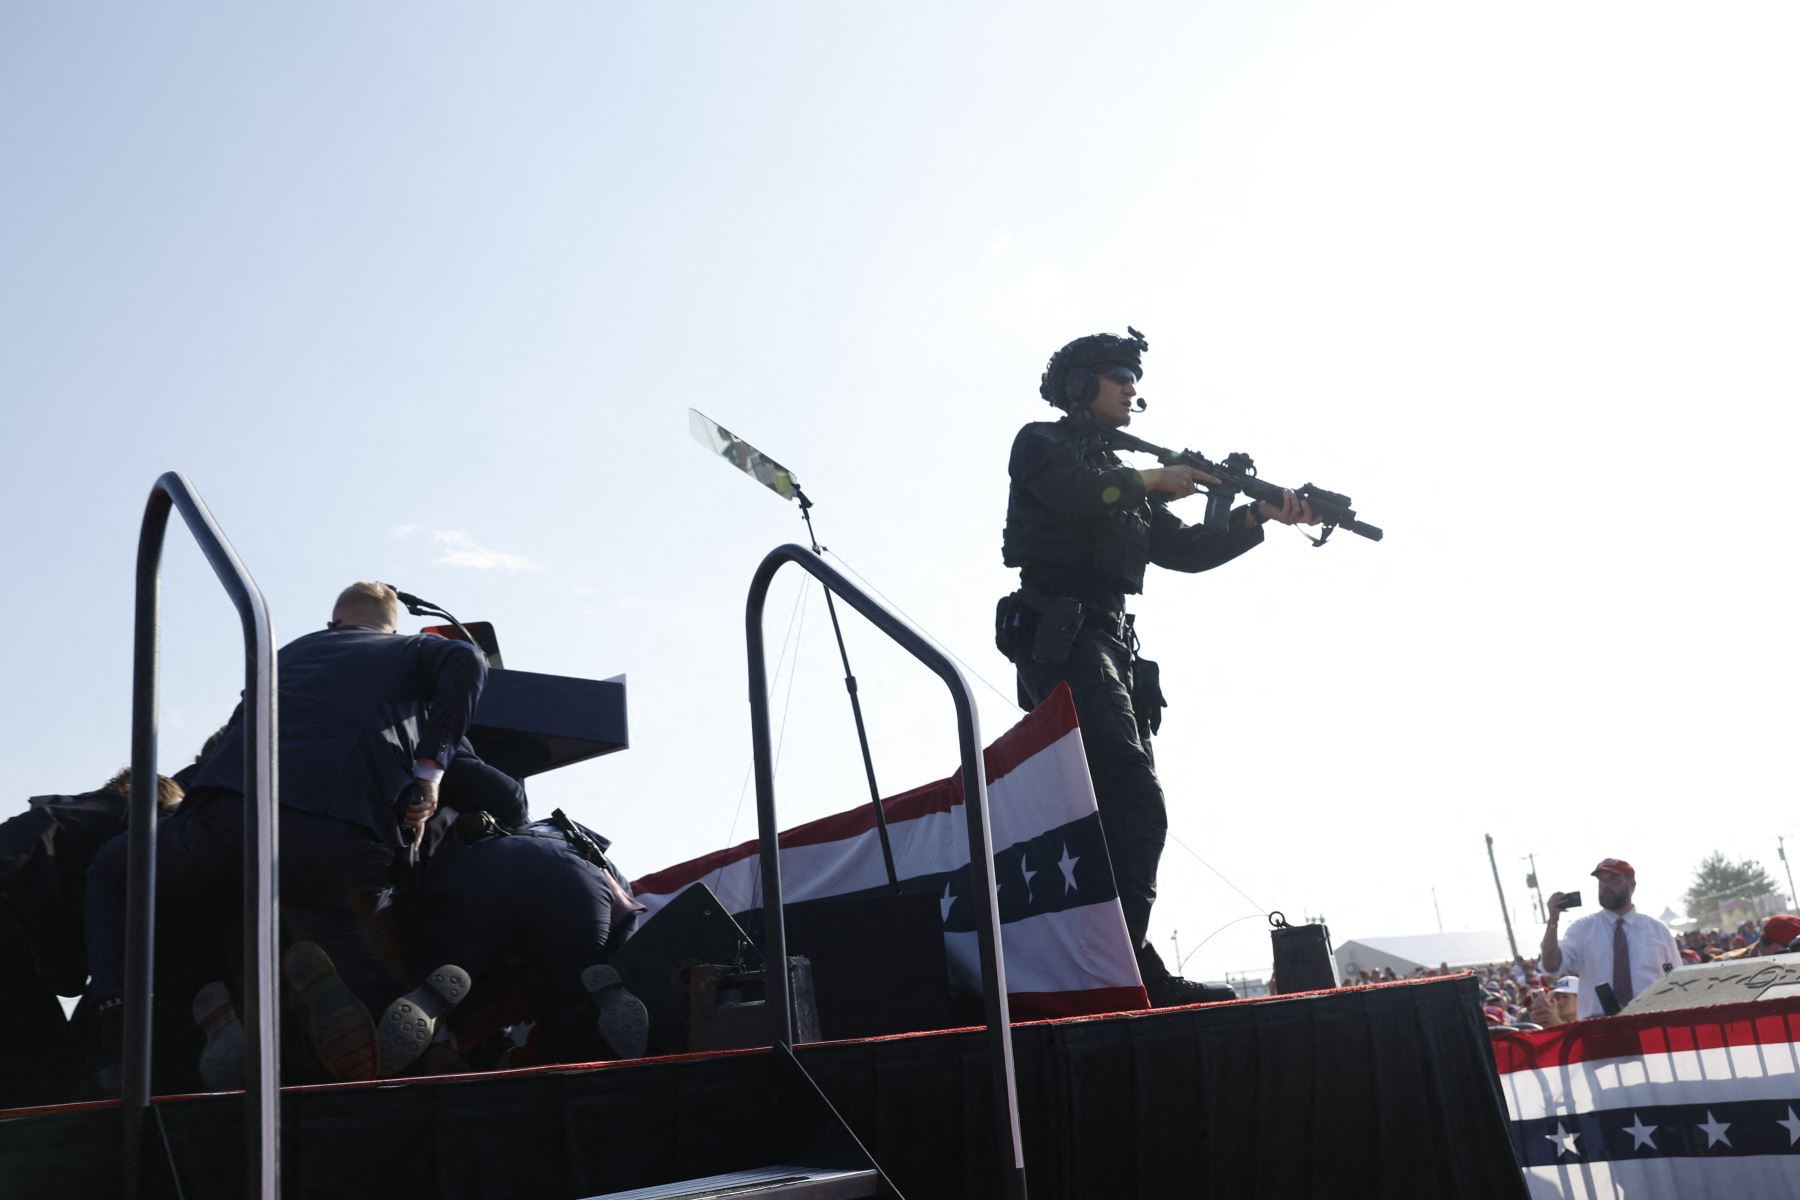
(424,293)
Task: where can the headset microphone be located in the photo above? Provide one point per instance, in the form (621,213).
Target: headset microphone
(1140,404)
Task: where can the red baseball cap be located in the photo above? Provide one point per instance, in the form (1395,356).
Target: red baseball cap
(1782,928)
(1614,866)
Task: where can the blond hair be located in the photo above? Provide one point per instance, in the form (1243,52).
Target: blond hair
(366,603)
(168,792)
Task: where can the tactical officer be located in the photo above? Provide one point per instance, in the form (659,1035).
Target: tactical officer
(1081,526)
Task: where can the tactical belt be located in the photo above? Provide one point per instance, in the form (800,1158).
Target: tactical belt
(1115,625)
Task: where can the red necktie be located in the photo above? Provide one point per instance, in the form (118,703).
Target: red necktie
(1621,979)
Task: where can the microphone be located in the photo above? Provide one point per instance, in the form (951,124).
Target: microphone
(1140,404)
(414,605)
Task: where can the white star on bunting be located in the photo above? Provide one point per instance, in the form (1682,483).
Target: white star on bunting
(1565,1142)
(1029,875)
(1067,863)
(1640,1133)
(1715,1130)
(946,903)
(1792,1125)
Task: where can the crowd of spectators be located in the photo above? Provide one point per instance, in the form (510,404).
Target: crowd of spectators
(1707,945)
(1519,995)
(1516,995)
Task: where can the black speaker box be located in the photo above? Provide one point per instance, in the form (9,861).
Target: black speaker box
(692,928)
(877,962)
(1303,959)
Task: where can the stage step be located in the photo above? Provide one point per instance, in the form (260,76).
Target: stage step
(812,1183)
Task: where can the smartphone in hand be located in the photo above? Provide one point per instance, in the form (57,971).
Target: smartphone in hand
(1563,901)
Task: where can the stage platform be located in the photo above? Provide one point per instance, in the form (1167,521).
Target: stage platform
(1382,1091)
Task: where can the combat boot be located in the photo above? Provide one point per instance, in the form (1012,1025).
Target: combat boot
(1172,991)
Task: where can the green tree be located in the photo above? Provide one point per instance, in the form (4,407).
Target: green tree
(1716,878)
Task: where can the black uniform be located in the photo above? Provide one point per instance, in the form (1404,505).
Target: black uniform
(44,855)
(1081,529)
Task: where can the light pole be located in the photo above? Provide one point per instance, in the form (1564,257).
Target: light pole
(1781,849)
(1511,942)
(1531,881)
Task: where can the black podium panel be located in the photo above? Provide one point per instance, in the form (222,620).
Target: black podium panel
(528,723)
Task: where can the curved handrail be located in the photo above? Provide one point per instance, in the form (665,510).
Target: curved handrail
(981,856)
(261,1071)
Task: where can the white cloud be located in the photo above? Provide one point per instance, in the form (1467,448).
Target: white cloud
(461,550)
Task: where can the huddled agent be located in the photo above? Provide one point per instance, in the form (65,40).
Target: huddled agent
(369,719)
(44,857)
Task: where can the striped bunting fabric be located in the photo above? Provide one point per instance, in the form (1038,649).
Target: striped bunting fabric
(1062,932)
(1686,1103)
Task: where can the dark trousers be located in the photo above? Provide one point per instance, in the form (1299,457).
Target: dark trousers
(519,899)
(38,1064)
(525,903)
(337,889)
(1132,812)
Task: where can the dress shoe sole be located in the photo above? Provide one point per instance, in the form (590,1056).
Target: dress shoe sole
(410,1022)
(222,1058)
(624,1021)
(342,1034)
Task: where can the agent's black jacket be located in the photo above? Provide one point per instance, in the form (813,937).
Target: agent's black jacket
(44,856)
(1079,522)
(357,708)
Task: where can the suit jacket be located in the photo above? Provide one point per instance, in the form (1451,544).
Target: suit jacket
(355,709)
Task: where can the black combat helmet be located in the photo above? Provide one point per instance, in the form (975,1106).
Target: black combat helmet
(1070,378)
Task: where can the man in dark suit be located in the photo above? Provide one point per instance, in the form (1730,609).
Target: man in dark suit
(368,721)
(44,857)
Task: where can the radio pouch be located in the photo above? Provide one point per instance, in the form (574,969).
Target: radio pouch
(1015,621)
(1059,621)
(1147,698)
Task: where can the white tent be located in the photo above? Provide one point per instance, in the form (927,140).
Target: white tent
(1409,951)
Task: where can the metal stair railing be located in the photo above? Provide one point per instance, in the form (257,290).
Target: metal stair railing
(760,1183)
(981,864)
(261,1071)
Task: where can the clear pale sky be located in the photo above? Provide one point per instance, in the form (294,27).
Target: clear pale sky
(424,293)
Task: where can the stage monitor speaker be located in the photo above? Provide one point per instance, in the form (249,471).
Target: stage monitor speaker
(1733,981)
(689,930)
(877,961)
(1303,959)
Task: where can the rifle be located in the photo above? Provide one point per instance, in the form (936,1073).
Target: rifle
(1238,474)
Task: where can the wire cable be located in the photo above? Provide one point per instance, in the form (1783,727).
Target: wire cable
(886,599)
(1013,701)
(1261,911)
(1215,933)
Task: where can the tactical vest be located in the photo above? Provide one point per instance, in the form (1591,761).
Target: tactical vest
(1110,547)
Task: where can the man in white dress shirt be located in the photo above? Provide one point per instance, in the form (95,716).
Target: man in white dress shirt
(1618,945)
